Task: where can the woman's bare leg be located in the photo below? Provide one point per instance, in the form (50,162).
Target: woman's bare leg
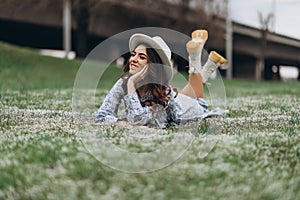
(194,88)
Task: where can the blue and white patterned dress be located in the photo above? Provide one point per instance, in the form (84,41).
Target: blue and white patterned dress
(180,109)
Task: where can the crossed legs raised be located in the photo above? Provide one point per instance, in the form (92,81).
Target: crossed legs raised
(199,74)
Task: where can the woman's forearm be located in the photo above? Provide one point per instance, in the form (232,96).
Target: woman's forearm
(130,87)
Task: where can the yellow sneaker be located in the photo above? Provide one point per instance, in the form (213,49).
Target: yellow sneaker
(213,62)
(194,47)
(216,58)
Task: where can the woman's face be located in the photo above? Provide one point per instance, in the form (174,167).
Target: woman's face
(138,59)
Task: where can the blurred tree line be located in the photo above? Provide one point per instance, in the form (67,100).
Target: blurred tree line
(179,9)
(200,12)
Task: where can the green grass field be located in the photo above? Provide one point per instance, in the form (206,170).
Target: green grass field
(44,153)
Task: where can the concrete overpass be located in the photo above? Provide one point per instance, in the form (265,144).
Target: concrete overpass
(280,50)
(40,26)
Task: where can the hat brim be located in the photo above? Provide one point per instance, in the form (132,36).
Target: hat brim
(138,38)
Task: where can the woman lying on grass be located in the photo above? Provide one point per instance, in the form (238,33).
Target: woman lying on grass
(145,84)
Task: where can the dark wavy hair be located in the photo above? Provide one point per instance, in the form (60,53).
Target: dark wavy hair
(155,82)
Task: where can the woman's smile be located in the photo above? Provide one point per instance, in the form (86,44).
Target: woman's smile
(138,59)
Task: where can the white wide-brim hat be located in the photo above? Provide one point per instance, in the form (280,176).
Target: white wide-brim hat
(159,45)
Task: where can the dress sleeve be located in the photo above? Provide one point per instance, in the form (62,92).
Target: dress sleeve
(136,113)
(107,112)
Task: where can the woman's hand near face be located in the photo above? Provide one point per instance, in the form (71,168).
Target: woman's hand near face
(135,79)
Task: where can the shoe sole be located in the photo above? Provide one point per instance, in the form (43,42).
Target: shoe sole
(192,46)
(216,58)
(199,35)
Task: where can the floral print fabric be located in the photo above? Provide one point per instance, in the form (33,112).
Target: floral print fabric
(179,109)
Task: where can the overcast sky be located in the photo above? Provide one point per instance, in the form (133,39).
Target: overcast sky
(287,14)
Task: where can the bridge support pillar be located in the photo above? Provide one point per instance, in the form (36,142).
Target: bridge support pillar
(259,69)
(67,27)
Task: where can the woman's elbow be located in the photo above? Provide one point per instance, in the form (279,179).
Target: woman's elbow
(105,119)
